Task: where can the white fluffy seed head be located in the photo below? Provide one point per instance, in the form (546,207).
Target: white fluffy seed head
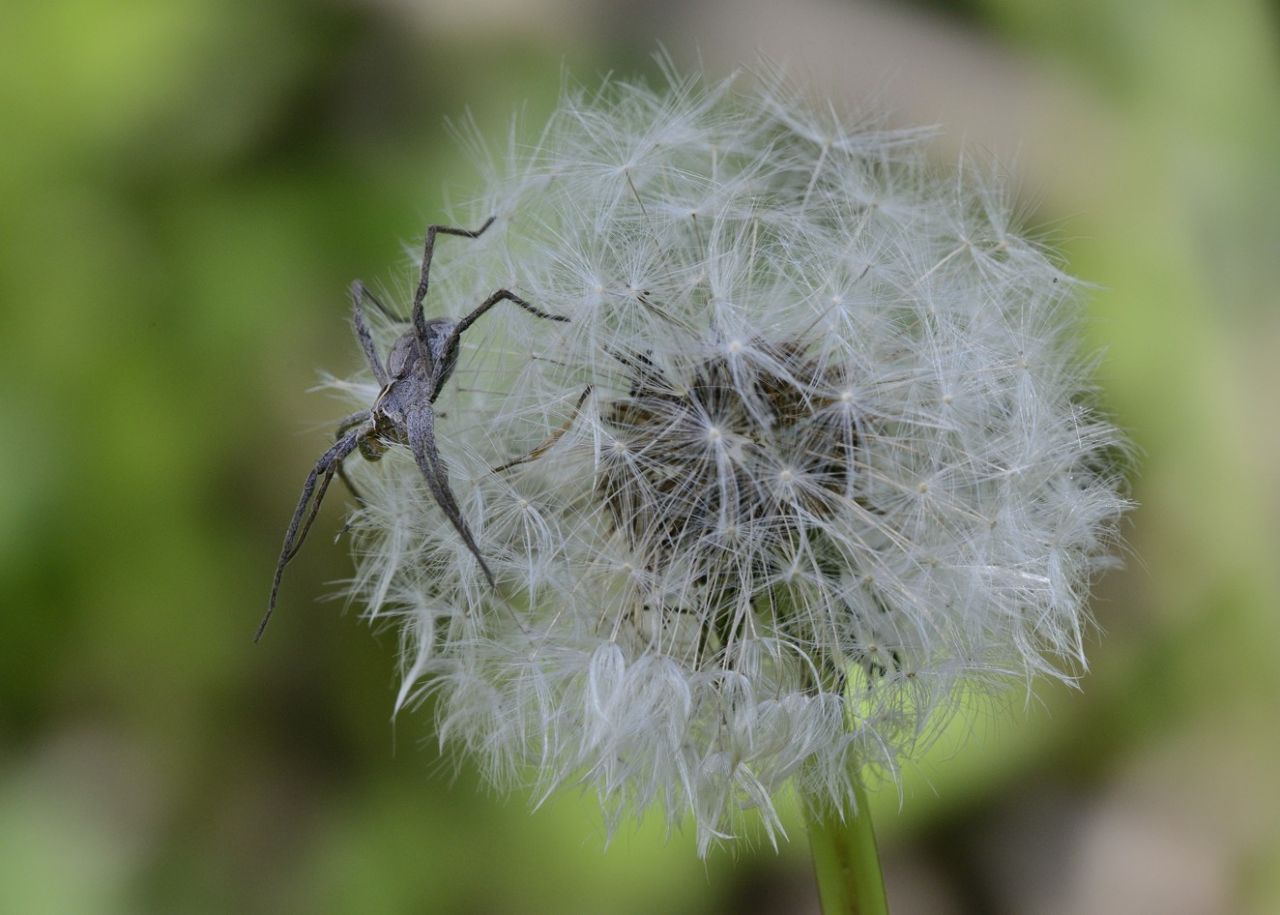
(813,458)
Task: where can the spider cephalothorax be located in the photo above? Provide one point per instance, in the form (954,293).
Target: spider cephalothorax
(416,368)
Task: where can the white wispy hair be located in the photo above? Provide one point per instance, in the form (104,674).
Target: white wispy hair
(814,457)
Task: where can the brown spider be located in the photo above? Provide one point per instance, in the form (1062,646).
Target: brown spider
(418,365)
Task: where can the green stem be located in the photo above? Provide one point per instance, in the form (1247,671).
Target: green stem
(845,858)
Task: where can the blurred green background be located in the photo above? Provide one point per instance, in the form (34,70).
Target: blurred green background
(187,188)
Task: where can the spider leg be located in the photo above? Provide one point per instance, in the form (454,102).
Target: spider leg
(502,295)
(428,249)
(305,512)
(350,422)
(645,372)
(420,425)
(351,488)
(449,352)
(386,312)
(550,439)
(362,334)
(321,488)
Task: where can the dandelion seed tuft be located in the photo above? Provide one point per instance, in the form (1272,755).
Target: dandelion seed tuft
(814,456)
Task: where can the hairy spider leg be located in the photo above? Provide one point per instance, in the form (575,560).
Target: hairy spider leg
(321,489)
(428,249)
(321,474)
(421,418)
(420,422)
(449,352)
(551,439)
(377,303)
(371,356)
(355,494)
(349,422)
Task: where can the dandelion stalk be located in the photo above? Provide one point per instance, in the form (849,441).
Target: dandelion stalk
(846,859)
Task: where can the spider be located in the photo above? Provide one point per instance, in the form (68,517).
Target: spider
(417,367)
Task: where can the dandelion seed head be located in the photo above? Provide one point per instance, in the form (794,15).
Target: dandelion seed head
(813,462)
